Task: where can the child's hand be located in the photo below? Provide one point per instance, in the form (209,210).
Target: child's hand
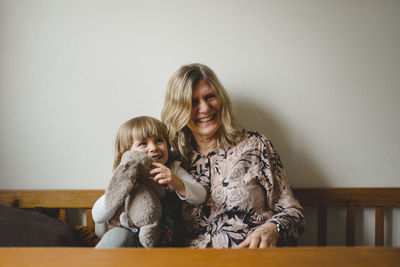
(114,221)
(164,176)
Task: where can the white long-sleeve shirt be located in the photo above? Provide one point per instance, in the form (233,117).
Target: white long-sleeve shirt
(195,194)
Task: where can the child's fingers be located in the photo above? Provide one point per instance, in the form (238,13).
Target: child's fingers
(159,169)
(157,164)
(156,171)
(161,176)
(165,182)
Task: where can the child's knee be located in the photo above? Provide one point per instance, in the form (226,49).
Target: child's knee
(117,237)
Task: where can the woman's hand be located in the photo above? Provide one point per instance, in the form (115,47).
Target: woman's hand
(263,237)
(164,176)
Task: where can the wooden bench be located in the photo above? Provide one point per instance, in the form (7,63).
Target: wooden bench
(308,197)
(350,198)
(171,257)
(62,199)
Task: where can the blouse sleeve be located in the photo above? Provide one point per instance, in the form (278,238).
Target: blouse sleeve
(287,212)
(195,192)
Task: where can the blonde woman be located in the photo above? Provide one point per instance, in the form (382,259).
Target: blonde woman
(249,203)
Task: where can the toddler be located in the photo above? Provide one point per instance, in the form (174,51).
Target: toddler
(149,135)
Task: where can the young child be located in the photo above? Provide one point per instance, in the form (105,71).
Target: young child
(149,135)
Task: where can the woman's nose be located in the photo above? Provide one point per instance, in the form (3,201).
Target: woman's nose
(203,106)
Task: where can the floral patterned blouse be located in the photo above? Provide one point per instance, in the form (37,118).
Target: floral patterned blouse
(246,187)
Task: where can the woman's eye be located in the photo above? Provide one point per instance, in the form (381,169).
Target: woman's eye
(142,144)
(210,97)
(160,140)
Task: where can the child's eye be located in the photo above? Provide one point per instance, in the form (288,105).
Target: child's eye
(160,140)
(142,144)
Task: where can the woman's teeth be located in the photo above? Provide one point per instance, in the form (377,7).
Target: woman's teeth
(205,119)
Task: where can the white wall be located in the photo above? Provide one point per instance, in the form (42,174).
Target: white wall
(320,78)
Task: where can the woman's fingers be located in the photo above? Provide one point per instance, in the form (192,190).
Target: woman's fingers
(263,243)
(255,241)
(245,243)
(263,237)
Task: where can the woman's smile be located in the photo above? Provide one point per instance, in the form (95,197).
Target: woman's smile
(205,118)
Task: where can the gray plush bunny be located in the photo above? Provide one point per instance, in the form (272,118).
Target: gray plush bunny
(142,205)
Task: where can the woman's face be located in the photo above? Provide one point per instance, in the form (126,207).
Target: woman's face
(205,119)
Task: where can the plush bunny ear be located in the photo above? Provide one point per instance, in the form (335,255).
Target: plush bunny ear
(124,177)
(120,186)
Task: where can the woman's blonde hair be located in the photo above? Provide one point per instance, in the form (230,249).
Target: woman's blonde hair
(138,128)
(177,109)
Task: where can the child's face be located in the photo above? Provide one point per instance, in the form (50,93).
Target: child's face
(155,146)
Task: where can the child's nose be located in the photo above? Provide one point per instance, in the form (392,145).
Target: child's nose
(152,147)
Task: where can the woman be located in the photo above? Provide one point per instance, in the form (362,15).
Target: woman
(249,203)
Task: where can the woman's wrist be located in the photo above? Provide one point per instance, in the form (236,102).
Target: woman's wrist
(278,226)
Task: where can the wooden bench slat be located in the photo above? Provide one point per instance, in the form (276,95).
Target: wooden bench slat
(322,226)
(379,226)
(62,215)
(350,226)
(331,197)
(89,219)
(50,198)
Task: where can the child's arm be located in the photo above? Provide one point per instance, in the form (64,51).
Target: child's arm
(186,187)
(195,192)
(99,212)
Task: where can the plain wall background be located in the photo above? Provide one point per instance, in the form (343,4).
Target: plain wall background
(320,78)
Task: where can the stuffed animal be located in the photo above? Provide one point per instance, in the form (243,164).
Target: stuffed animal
(142,206)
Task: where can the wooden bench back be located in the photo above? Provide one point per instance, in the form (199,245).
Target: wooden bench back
(349,198)
(62,199)
(314,197)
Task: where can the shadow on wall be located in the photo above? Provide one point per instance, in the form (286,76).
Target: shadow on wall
(300,168)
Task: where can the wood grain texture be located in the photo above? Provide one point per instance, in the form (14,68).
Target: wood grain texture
(311,256)
(50,198)
(336,197)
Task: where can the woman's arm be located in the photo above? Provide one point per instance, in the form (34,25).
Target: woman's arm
(287,221)
(288,214)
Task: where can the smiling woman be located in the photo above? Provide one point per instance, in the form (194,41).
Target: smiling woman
(249,203)
(205,118)
(197,105)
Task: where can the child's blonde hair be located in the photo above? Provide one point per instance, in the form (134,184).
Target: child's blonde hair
(139,128)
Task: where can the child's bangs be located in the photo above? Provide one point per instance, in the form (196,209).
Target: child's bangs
(149,128)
